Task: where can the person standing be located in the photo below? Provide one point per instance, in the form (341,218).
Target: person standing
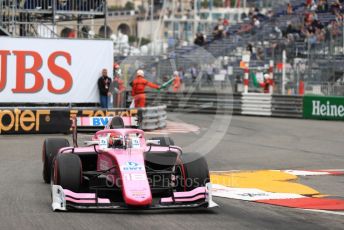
(117,88)
(104,86)
(210,72)
(138,89)
(176,82)
(267,83)
(193,72)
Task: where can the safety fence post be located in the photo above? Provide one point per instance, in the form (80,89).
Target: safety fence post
(246,78)
(271,73)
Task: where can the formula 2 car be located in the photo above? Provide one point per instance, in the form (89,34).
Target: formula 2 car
(120,169)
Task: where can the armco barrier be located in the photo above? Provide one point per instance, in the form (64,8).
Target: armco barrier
(287,106)
(255,104)
(153,117)
(34,120)
(197,102)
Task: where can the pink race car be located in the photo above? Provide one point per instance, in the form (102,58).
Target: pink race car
(120,169)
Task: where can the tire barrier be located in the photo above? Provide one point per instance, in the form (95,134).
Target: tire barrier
(153,118)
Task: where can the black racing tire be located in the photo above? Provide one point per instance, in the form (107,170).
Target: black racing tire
(51,146)
(192,172)
(164,141)
(68,172)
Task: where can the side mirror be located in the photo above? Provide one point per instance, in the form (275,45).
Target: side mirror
(153,142)
(90,143)
(103,143)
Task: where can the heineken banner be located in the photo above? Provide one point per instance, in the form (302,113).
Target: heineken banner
(323,108)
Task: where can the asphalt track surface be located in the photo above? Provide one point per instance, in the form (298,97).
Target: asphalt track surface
(248,143)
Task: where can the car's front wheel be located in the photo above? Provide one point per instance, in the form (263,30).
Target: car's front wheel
(68,172)
(51,146)
(191,172)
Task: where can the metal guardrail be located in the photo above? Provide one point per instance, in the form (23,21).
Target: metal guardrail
(255,104)
(197,102)
(89,6)
(287,106)
(121,13)
(153,117)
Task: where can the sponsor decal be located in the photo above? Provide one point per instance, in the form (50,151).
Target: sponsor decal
(135,143)
(135,177)
(50,70)
(102,113)
(100,118)
(17,120)
(103,143)
(33,121)
(35,71)
(132,166)
(249,194)
(59,199)
(139,194)
(99,121)
(325,108)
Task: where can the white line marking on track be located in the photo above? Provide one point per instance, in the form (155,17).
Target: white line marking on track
(325,211)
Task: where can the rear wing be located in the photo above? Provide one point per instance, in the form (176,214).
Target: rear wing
(93,124)
(101,122)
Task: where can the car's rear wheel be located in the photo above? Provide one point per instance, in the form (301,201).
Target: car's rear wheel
(192,172)
(68,172)
(164,141)
(51,146)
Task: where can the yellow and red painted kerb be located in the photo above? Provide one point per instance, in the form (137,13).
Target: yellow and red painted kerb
(275,187)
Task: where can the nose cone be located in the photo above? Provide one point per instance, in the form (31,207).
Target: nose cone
(138,197)
(135,186)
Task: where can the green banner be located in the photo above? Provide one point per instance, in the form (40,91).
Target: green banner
(323,108)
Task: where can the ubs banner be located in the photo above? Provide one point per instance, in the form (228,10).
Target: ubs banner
(323,108)
(49,121)
(52,70)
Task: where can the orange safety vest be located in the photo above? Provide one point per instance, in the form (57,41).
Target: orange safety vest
(139,84)
(176,84)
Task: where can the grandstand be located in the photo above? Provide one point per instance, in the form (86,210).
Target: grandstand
(51,18)
(316,58)
(317,63)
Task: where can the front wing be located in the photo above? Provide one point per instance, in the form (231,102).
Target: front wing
(64,200)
